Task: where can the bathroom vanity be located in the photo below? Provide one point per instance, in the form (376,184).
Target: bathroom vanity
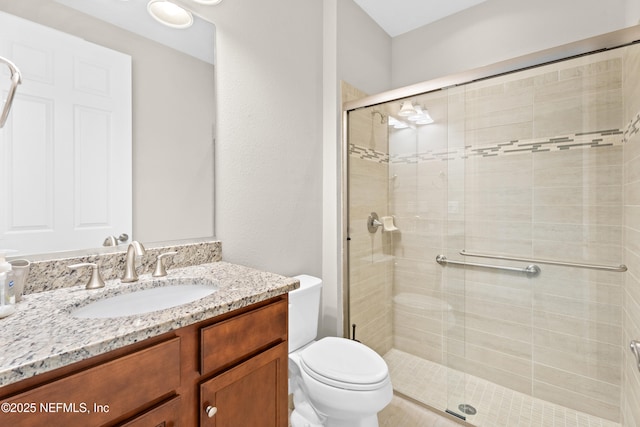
(219,361)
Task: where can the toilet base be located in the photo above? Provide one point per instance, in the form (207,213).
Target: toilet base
(303,415)
(297,420)
(371,421)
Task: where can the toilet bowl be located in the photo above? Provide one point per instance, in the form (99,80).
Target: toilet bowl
(336,382)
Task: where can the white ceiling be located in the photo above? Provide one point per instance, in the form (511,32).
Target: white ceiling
(400,16)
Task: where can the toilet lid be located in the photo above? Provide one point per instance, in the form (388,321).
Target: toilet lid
(344,363)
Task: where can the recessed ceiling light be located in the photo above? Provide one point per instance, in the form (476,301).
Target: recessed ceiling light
(170,14)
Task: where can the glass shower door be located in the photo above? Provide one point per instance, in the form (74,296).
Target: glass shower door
(370,318)
(530,165)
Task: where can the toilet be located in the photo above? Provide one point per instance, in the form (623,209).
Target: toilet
(336,382)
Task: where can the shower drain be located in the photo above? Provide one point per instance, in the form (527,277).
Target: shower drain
(467,409)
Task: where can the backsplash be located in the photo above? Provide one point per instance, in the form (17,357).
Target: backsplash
(50,274)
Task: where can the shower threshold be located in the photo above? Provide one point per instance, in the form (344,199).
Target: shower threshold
(495,406)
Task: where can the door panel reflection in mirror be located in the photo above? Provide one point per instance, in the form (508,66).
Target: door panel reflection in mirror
(68,140)
(173,115)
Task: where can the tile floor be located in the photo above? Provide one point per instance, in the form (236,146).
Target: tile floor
(497,406)
(404,413)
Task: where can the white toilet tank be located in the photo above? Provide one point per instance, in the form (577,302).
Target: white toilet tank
(304,309)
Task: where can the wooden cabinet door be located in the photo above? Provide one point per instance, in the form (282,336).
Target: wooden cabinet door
(253,393)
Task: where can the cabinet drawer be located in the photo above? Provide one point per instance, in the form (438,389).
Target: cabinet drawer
(101,393)
(164,415)
(228,342)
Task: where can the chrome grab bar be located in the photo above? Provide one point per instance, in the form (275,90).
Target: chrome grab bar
(531,270)
(621,268)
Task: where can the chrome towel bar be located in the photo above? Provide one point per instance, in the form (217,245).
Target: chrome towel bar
(531,270)
(620,268)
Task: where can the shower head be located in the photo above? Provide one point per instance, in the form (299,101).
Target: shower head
(16,79)
(383,118)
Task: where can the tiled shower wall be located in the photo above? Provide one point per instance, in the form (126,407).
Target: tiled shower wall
(631,180)
(520,160)
(527,164)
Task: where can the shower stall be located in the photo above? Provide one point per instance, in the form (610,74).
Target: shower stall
(493,241)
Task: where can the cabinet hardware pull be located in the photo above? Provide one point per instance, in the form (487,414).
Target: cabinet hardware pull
(211,411)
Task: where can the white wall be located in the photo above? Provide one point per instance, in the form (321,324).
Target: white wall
(358,51)
(331,227)
(278,124)
(633,12)
(498,30)
(268,166)
(274,208)
(364,50)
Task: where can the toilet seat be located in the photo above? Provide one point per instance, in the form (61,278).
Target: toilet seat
(345,364)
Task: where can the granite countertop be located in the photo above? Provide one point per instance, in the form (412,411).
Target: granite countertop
(42,335)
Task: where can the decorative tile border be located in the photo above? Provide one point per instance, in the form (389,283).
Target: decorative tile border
(368,154)
(632,128)
(583,140)
(604,138)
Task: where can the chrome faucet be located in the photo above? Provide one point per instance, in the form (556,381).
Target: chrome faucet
(134,250)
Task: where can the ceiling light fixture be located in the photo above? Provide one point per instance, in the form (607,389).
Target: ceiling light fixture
(422,117)
(407,109)
(426,119)
(418,114)
(170,14)
(397,124)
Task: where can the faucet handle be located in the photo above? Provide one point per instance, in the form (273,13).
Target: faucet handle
(96,280)
(160,271)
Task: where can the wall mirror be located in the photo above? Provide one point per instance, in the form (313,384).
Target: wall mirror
(132,154)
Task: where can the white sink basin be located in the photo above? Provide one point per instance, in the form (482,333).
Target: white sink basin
(143,301)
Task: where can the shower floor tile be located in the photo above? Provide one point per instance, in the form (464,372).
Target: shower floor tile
(497,406)
(404,413)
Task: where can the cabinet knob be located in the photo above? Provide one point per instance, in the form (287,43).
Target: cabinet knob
(211,411)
